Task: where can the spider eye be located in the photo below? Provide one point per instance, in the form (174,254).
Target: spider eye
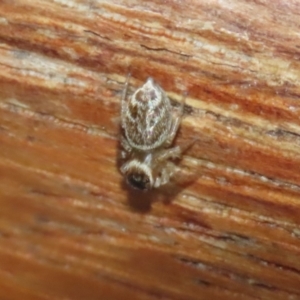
(139,181)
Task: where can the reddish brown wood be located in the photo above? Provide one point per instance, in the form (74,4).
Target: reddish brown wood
(228,229)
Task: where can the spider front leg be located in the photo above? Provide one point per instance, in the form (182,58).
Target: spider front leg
(165,174)
(173,153)
(169,168)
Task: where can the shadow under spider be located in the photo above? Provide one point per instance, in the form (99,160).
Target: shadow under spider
(141,201)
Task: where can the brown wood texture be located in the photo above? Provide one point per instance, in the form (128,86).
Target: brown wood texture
(70,229)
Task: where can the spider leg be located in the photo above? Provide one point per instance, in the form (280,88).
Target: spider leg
(171,153)
(169,169)
(166,173)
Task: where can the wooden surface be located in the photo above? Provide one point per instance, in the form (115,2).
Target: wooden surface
(69,228)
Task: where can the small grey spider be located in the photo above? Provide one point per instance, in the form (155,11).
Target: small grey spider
(149,125)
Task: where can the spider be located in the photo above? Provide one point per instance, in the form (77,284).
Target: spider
(149,125)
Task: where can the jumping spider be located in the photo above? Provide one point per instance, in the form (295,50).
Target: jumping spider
(149,125)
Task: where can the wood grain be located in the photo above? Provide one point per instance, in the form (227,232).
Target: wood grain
(227,228)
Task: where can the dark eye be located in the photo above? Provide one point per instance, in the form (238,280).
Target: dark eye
(139,181)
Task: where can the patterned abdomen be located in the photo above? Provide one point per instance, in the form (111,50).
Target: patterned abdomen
(148,117)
